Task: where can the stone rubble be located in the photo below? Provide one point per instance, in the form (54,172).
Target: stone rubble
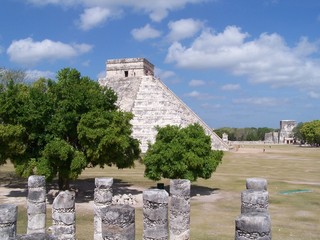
(127,199)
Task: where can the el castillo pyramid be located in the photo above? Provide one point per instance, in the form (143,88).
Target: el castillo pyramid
(150,100)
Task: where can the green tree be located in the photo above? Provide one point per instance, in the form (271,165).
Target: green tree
(297,132)
(64,127)
(7,75)
(11,142)
(311,132)
(181,153)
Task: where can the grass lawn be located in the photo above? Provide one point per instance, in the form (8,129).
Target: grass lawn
(293,175)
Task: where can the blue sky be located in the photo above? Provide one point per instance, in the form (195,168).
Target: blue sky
(236,63)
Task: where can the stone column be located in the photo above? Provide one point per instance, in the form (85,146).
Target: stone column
(8,221)
(102,198)
(64,216)
(254,221)
(118,222)
(155,214)
(36,204)
(256,197)
(180,209)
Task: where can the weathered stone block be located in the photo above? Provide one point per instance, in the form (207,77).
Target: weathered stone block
(155,214)
(254,201)
(61,230)
(66,218)
(63,216)
(35,208)
(178,204)
(103,183)
(36,181)
(36,222)
(253,226)
(102,196)
(258,184)
(37,195)
(8,221)
(64,200)
(118,222)
(180,209)
(35,236)
(157,196)
(180,187)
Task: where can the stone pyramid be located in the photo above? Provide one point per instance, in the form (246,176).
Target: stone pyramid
(150,100)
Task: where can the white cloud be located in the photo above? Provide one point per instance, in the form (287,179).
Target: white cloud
(196,83)
(183,28)
(93,17)
(267,59)
(262,101)
(145,32)
(314,95)
(86,63)
(199,96)
(28,52)
(210,106)
(230,87)
(156,9)
(33,75)
(166,75)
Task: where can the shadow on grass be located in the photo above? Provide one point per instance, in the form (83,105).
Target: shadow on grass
(84,189)
(19,185)
(196,190)
(202,191)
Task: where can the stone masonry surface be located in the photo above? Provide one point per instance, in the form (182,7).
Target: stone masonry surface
(150,100)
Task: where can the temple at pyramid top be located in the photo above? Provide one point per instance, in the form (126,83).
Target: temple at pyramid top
(150,100)
(129,67)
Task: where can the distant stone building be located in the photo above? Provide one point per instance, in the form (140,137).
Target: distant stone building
(150,100)
(225,137)
(285,134)
(271,137)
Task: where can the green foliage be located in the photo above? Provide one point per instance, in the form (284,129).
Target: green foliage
(244,134)
(297,132)
(58,128)
(11,142)
(181,153)
(310,131)
(106,138)
(8,75)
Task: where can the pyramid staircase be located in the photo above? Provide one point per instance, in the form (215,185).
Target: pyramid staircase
(154,104)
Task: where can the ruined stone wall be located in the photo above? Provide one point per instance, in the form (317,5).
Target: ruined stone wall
(285,134)
(129,67)
(272,137)
(154,104)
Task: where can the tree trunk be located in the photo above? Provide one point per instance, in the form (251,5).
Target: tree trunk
(63,182)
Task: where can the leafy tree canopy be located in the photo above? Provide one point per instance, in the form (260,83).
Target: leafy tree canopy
(181,153)
(310,131)
(57,128)
(297,132)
